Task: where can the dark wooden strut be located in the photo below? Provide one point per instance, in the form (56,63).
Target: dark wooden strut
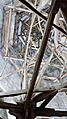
(63,5)
(18,111)
(5,105)
(40,91)
(47,96)
(48,99)
(41,96)
(47,112)
(20,92)
(53,11)
(28,5)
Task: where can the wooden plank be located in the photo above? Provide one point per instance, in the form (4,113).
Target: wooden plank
(42,96)
(20,92)
(15,29)
(19,9)
(49,112)
(48,98)
(49,23)
(5,105)
(7,30)
(12,93)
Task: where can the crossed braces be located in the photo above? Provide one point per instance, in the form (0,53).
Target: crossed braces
(28,109)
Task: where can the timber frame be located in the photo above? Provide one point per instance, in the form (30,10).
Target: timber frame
(28,108)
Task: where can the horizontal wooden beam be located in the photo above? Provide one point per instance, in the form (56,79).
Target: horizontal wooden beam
(49,112)
(5,105)
(20,92)
(19,9)
(42,91)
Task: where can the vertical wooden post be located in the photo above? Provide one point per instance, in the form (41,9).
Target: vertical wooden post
(31,115)
(15,28)
(7,30)
(56,36)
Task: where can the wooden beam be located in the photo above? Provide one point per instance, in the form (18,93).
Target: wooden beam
(42,92)
(48,98)
(20,92)
(54,9)
(42,96)
(5,105)
(15,29)
(28,5)
(7,30)
(13,58)
(49,112)
(19,9)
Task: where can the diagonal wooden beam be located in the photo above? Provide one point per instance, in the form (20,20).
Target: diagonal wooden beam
(49,94)
(5,105)
(48,98)
(27,4)
(54,9)
(42,96)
